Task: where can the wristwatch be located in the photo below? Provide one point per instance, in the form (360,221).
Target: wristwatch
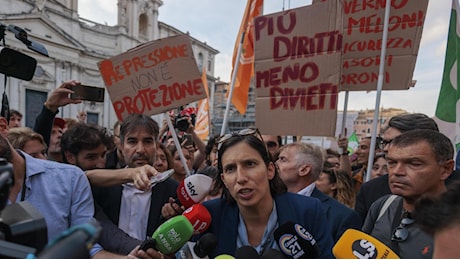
(346,153)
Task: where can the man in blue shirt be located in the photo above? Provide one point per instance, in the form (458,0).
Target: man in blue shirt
(60,192)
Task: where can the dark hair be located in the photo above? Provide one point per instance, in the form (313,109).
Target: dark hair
(168,154)
(14,112)
(330,153)
(82,136)
(280,140)
(277,186)
(440,144)
(5,148)
(438,213)
(135,122)
(407,122)
(209,146)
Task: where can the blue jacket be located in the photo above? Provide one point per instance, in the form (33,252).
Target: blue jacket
(299,209)
(339,216)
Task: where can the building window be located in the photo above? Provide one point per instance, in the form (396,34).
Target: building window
(34,104)
(200,61)
(143,24)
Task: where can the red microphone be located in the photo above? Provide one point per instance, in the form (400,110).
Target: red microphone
(193,189)
(199,217)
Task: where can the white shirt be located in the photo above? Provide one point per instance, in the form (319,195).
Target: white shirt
(307,191)
(134,211)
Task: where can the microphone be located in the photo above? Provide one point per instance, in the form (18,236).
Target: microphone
(169,236)
(224,256)
(295,241)
(73,243)
(356,244)
(200,249)
(199,217)
(193,189)
(271,253)
(246,252)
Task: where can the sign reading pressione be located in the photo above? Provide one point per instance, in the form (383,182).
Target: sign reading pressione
(153,78)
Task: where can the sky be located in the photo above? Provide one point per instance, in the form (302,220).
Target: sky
(217,22)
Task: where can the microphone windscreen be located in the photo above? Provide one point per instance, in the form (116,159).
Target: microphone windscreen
(271,253)
(199,217)
(295,241)
(205,245)
(193,189)
(246,252)
(224,256)
(359,245)
(172,234)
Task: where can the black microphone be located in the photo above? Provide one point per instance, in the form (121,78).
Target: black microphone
(295,241)
(199,250)
(271,253)
(205,245)
(246,252)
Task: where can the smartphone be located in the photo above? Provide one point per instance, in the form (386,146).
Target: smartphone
(189,140)
(88,93)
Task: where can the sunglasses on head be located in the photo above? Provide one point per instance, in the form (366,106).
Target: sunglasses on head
(248,131)
(245,132)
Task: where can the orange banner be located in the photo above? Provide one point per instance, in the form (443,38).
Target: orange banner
(202,117)
(246,59)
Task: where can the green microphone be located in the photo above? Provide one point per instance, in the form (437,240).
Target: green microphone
(169,236)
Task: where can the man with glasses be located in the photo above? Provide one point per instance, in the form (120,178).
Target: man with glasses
(419,161)
(372,190)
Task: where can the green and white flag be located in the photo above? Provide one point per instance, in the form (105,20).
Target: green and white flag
(352,143)
(448,109)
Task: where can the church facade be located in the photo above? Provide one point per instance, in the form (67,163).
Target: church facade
(75,46)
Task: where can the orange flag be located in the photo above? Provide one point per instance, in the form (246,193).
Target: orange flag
(202,117)
(246,60)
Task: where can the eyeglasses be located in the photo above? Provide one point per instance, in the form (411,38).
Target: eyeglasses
(383,143)
(248,131)
(401,233)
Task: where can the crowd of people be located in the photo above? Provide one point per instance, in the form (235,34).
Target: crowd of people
(73,172)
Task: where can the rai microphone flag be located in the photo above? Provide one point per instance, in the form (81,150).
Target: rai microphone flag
(202,118)
(245,68)
(448,109)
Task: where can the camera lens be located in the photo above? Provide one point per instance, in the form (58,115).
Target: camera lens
(182,124)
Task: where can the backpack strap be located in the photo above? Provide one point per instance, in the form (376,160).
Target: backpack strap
(385,206)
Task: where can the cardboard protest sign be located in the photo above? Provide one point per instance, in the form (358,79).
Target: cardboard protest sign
(362,41)
(297,66)
(153,78)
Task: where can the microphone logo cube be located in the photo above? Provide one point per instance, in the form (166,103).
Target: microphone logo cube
(364,249)
(191,189)
(290,246)
(303,233)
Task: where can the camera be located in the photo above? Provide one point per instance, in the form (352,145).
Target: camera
(14,63)
(181,122)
